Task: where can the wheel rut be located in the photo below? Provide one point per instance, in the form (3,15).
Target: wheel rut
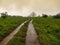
(11,35)
(32,37)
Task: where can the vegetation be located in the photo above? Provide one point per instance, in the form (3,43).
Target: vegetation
(48,30)
(57,16)
(19,38)
(33,14)
(44,15)
(8,24)
(4,15)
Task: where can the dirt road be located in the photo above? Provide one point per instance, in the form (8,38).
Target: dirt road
(31,38)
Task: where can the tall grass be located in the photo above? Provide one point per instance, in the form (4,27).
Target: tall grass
(7,25)
(48,30)
(19,38)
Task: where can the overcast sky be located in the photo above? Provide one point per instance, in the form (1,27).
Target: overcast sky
(25,7)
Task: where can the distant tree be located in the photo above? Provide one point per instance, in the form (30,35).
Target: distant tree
(33,14)
(4,15)
(44,15)
(57,16)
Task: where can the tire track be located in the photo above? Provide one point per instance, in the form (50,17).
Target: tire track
(32,37)
(11,35)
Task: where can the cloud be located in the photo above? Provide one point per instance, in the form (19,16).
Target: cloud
(24,7)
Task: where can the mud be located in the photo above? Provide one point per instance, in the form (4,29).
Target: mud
(32,37)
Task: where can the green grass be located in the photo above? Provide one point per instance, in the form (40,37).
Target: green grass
(48,30)
(19,38)
(7,25)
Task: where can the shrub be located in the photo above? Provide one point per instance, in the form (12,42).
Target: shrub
(57,16)
(4,15)
(44,16)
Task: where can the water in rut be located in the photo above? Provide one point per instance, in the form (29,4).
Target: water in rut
(31,38)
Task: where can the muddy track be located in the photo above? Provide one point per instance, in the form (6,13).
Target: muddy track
(11,35)
(32,37)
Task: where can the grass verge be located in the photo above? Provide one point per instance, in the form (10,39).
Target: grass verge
(48,30)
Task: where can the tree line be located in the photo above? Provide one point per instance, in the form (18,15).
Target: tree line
(33,14)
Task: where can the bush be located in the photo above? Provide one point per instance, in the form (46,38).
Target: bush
(44,15)
(57,16)
(4,15)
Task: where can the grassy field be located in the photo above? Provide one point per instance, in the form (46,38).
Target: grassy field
(48,30)
(7,25)
(19,38)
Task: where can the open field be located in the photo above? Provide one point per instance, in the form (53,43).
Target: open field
(7,25)
(48,30)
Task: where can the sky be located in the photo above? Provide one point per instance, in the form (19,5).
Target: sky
(25,7)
